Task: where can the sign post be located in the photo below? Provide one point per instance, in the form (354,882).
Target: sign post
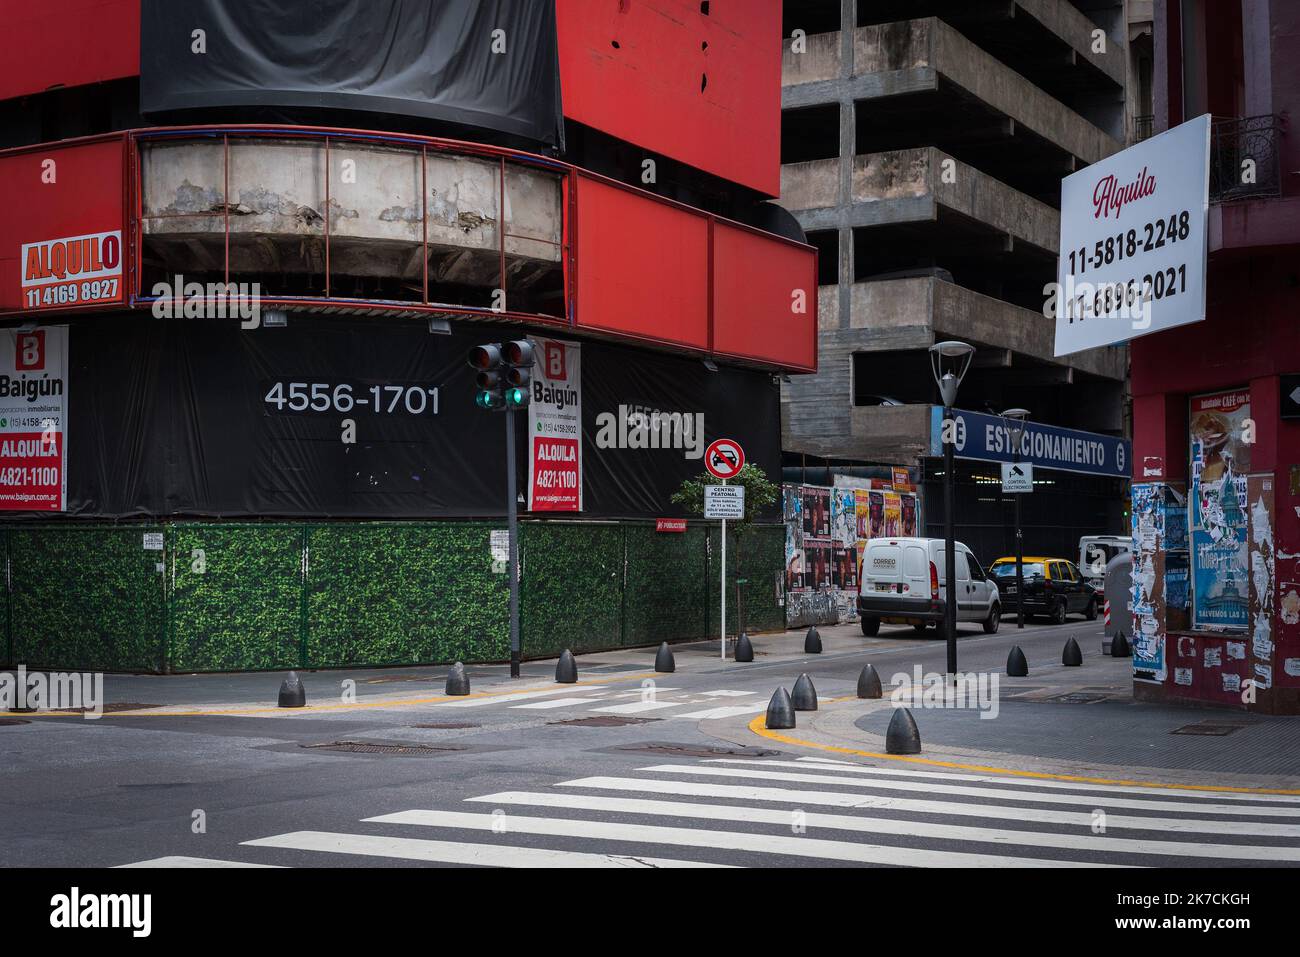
(724,458)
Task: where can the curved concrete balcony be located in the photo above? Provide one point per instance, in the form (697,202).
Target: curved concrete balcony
(349,218)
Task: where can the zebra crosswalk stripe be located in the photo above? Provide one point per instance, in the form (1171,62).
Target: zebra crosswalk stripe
(443,852)
(1175,790)
(1078,840)
(990,792)
(1084,819)
(722,840)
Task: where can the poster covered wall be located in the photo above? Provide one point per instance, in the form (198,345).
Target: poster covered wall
(33,420)
(1220,461)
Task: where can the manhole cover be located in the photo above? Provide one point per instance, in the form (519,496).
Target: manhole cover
(5,722)
(699,751)
(1214,730)
(449,725)
(369,747)
(603,721)
(110,708)
(1078,697)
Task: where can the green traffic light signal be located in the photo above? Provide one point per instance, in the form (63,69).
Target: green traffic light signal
(516,397)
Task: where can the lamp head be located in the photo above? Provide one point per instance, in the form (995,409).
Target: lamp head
(949,361)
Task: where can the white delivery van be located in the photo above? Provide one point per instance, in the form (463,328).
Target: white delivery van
(903,580)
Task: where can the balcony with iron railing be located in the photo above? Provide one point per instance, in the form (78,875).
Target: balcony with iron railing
(1244,160)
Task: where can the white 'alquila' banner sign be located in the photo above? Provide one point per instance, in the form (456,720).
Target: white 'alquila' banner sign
(1133,241)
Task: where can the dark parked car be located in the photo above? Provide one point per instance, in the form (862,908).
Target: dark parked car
(1053,587)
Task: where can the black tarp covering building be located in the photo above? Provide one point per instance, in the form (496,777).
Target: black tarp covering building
(176,417)
(485,64)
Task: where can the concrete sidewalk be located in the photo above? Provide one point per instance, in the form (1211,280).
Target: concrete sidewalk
(1076,722)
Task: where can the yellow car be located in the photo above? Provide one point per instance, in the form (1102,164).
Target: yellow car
(1053,587)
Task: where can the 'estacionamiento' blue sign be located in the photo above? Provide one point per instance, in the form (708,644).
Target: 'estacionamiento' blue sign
(988,439)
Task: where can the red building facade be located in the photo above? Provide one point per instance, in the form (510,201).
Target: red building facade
(1216,502)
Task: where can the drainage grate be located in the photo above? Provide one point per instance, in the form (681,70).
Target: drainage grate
(1078,697)
(449,725)
(1214,730)
(603,721)
(5,722)
(699,751)
(370,747)
(111,708)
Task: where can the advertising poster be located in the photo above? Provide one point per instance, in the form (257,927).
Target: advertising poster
(876,518)
(33,419)
(555,428)
(909,516)
(818,559)
(844,517)
(1220,461)
(816,512)
(792,512)
(893,515)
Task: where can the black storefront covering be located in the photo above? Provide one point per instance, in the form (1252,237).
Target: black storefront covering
(339,62)
(176,417)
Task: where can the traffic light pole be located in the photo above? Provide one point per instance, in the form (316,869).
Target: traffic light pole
(512,522)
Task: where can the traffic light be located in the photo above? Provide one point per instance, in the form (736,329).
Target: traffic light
(504,375)
(519,372)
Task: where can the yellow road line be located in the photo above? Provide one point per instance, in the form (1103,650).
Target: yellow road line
(385,703)
(759,727)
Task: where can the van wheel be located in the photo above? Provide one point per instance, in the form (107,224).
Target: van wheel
(1057,615)
(871,627)
(994,620)
(1091,611)
(920,627)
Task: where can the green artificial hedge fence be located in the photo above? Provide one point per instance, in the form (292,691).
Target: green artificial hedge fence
(224,596)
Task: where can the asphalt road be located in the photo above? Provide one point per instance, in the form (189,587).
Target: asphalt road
(610,772)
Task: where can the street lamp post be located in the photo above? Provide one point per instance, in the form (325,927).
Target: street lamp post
(949,362)
(1015,419)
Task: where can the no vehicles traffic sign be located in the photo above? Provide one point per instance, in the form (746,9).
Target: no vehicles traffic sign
(724,458)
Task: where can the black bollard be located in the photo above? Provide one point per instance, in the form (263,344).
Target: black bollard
(1119,647)
(457,680)
(1072,656)
(812,643)
(780,711)
(902,737)
(744,649)
(1017,666)
(566,669)
(664,659)
(869,682)
(292,693)
(804,695)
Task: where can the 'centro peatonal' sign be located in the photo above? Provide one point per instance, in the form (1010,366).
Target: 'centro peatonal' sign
(988,439)
(1133,242)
